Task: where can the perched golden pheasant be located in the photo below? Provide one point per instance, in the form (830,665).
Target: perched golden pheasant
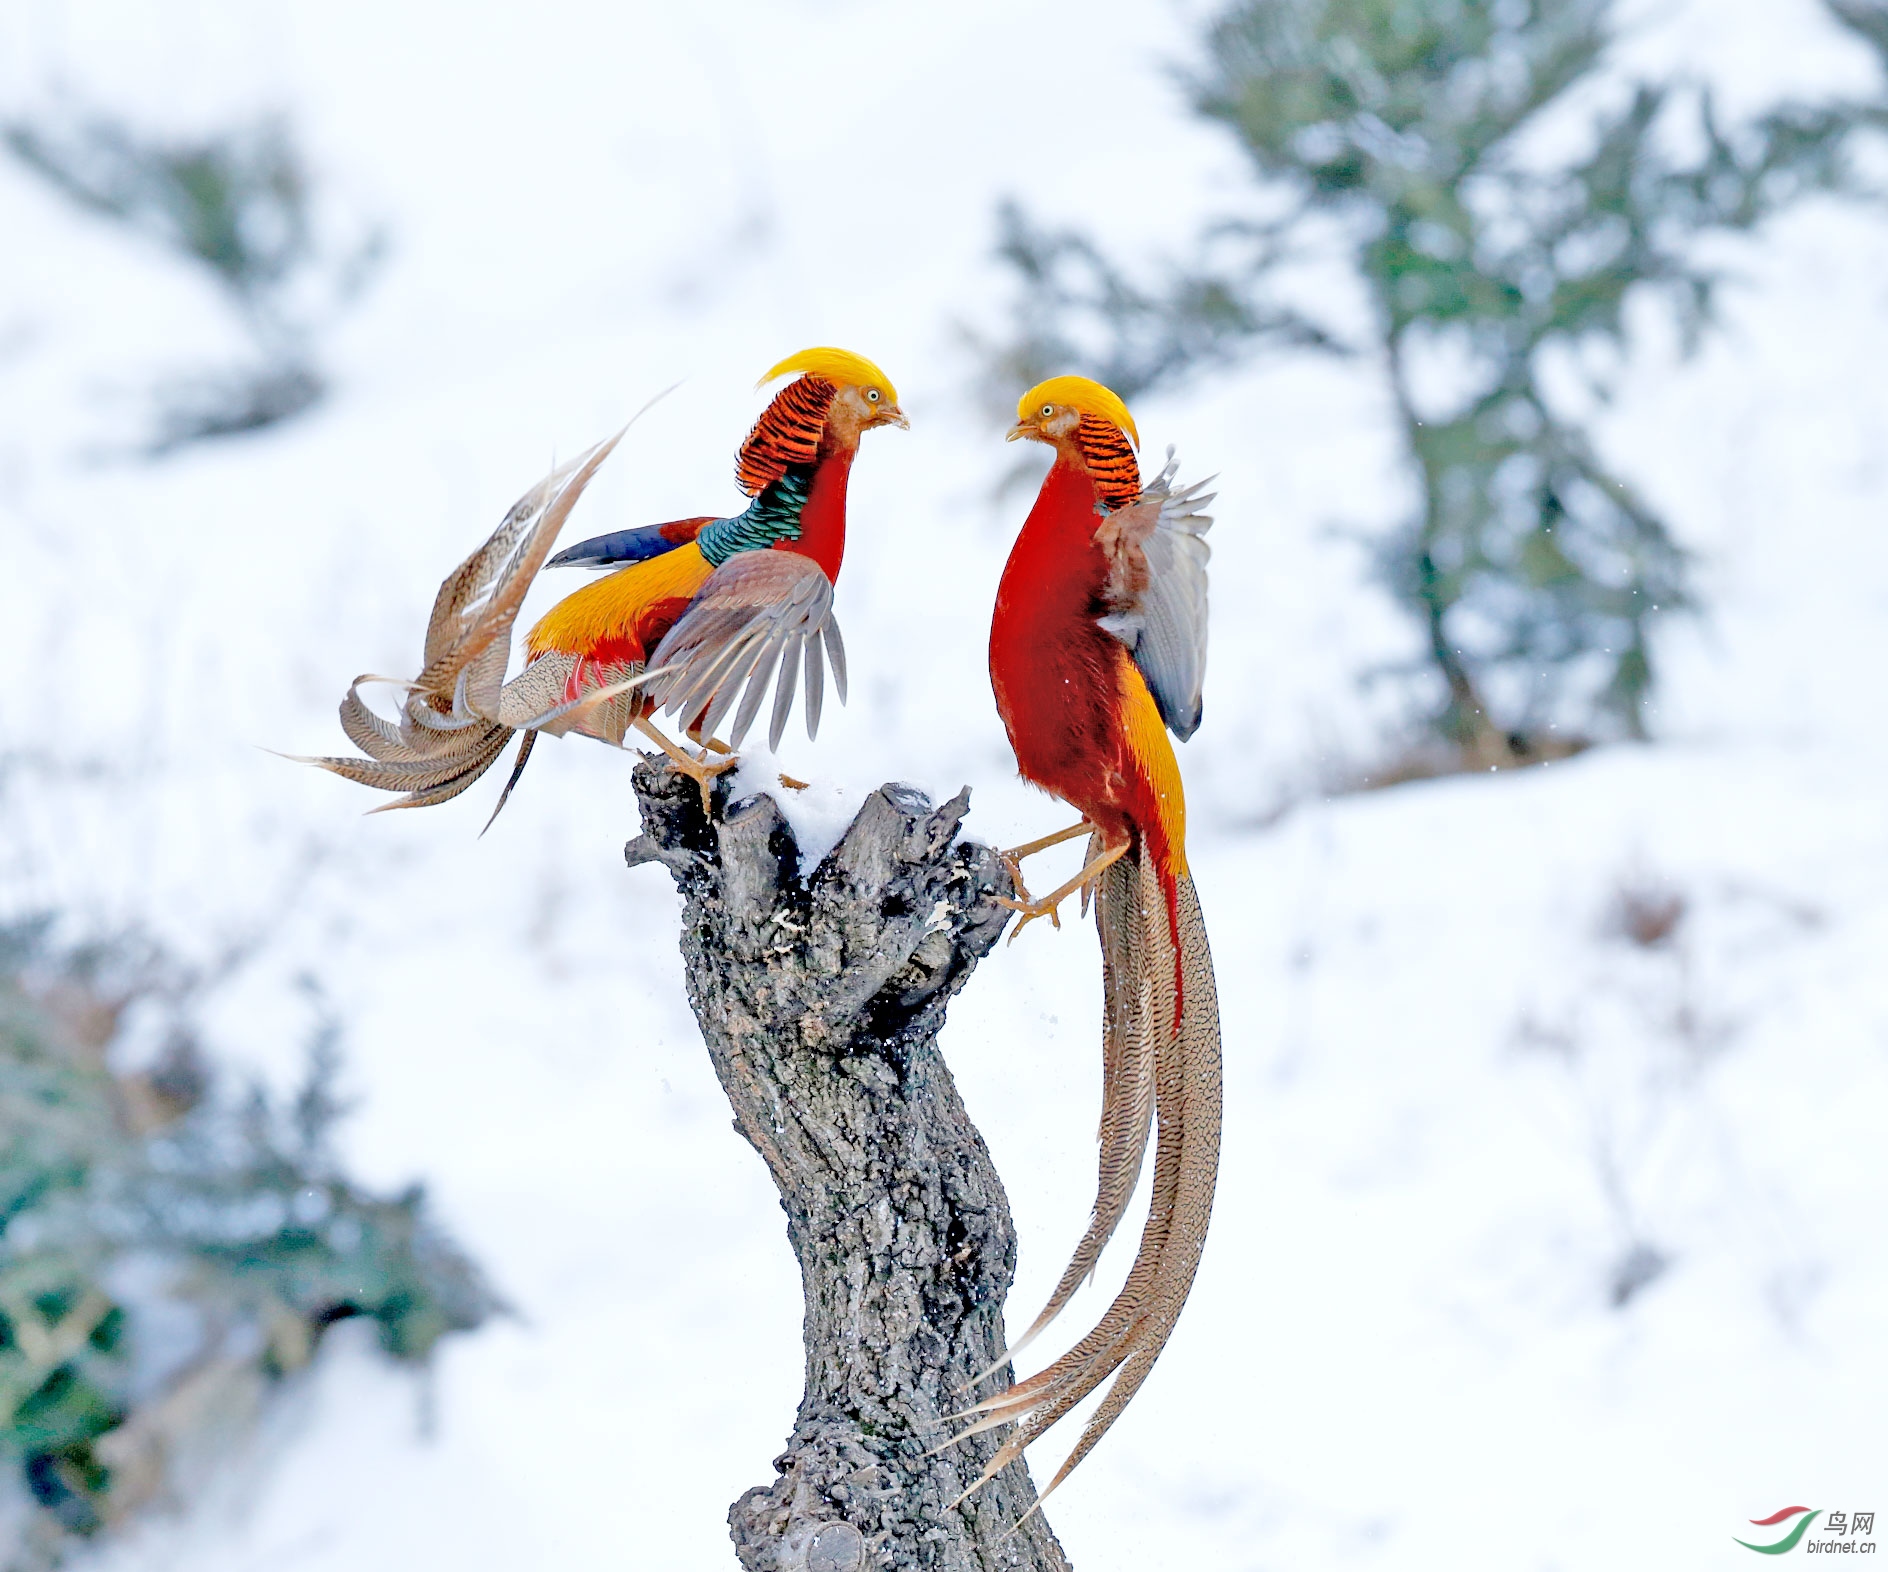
(699,614)
(1097,651)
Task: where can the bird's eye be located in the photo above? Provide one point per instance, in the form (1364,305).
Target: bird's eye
(871,395)
(1047,411)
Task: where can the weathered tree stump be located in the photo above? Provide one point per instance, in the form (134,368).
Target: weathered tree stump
(820,1000)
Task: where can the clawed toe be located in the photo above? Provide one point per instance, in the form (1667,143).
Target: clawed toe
(703,772)
(699,770)
(1027,904)
(1031,910)
(1045,906)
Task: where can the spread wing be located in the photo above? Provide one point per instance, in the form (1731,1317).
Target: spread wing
(759,611)
(1156,591)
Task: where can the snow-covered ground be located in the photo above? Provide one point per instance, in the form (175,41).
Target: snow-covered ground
(1459,1097)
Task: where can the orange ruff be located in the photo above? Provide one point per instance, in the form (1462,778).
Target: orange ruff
(788,433)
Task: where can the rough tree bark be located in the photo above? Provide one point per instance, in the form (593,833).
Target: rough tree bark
(821,1000)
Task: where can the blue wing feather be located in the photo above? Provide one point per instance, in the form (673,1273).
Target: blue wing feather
(628,545)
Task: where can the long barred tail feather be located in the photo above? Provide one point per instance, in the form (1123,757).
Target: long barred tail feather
(458,715)
(1201,1075)
(517,773)
(1129,1046)
(1150,1035)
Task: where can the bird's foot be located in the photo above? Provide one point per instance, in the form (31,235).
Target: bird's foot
(1013,861)
(1028,905)
(703,772)
(1033,907)
(700,770)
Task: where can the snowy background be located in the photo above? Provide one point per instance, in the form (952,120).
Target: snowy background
(1461,1099)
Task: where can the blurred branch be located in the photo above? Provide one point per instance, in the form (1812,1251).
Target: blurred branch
(237,203)
(1867,19)
(1074,307)
(240,205)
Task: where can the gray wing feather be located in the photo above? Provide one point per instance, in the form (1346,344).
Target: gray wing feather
(783,698)
(1164,624)
(756,692)
(747,654)
(836,653)
(761,616)
(815,686)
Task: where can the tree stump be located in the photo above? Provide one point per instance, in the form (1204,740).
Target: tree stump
(820,1000)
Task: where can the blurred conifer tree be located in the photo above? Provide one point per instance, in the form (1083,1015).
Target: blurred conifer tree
(1423,132)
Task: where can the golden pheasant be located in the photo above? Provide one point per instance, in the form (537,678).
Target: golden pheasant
(699,612)
(1097,650)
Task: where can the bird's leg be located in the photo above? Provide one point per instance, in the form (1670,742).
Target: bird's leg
(709,744)
(698,770)
(1046,905)
(1013,858)
(1029,848)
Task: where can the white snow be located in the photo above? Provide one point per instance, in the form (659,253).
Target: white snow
(1455,1096)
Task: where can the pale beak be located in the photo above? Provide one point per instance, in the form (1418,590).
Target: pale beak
(894,416)
(1019,431)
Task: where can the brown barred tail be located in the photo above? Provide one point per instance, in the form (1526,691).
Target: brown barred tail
(1141,954)
(1130,1030)
(458,715)
(1201,1074)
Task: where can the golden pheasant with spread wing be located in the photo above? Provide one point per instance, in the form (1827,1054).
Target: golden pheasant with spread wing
(1097,651)
(698,615)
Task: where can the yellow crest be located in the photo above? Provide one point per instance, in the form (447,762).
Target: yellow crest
(1082,394)
(835,365)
